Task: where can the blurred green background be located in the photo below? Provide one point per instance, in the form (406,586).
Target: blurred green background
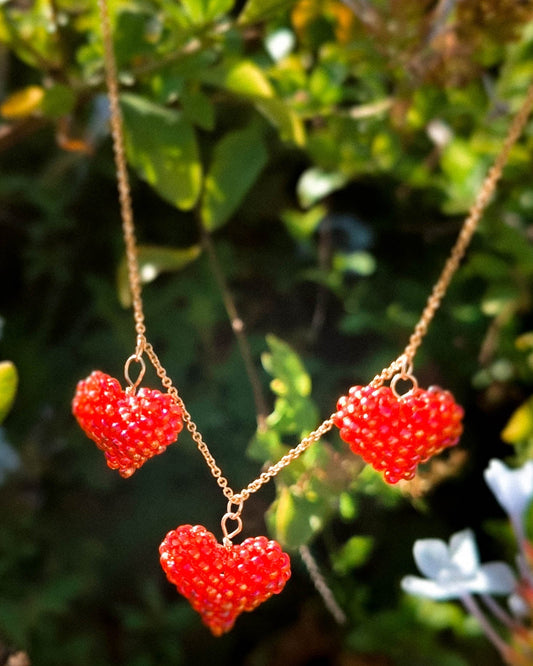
(327,153)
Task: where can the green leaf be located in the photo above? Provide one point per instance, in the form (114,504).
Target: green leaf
(260,10)
(296,518)
(464,171)
(154,260)
(294,412)
(161,145)
(359,262)
(198,109)
(204,11)
(243,77)
(292,415)
(290,375)
(238,159)
(8,387)
(266,445)
(289,125)
(32,33)
(354,553)
(58,101)
(303,224)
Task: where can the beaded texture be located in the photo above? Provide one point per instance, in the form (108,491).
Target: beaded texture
(129,427)
(220,582)
(394,434)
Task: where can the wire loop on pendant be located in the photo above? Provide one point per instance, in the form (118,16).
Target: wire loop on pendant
(133,384)
(405,375)
(231,515)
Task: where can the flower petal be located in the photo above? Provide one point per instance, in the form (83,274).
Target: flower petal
(494,578)
(421,587)
(464,553)
(431,556)
(513,488)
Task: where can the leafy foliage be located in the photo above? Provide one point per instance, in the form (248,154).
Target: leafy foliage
(328,151)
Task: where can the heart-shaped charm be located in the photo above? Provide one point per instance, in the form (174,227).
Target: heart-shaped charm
(129,427)
(395,433)
(222,581)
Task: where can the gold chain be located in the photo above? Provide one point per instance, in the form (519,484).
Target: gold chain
(463,240)
(124,193)
(402,364)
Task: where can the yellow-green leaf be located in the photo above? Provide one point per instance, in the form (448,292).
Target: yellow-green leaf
(8,387)
(296,517)
(520,425)
(22,103)
(289,125)
(204,11)
(353,554)
(161,145)
(260,10)
(243,77)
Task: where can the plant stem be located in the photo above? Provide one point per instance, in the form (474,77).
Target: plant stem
(499,612)
(321,586)
(238,328)
(506,652)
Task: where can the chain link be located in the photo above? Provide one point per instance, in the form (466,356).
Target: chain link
(403,361)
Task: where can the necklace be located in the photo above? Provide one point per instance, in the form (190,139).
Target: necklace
(393,432)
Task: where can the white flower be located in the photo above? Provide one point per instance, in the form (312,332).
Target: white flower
(455,571)
(513,488)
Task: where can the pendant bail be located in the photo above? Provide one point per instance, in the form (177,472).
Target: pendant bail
(231,515)
(405,375)
(133,384)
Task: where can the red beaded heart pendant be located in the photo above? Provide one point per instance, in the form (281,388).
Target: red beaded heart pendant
(220,582)
(395,433)
(129,427)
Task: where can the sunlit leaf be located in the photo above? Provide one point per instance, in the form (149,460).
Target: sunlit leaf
(290,126)
(359,263)
(286,367)
(204,11)
(242,77)
(347,506)
(31,31)
(162,147)
(294,412)
(154,260)
(22,103)
(353,554)
(524,342)
(227,182)
(260,10)
(520,425)
(302,224)
(8,387)
(296,518)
